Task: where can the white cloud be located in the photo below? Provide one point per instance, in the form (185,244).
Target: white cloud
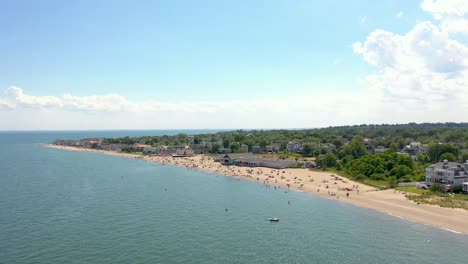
(4,104)
(17,98)
(452,14)
(424,70)
(116,112)
(400,14)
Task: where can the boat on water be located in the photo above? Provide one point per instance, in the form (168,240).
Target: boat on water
(274,219)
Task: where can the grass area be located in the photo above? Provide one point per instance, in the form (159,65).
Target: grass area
(459,196)
(412,189)
(382,185)
(442,201)
(436,198)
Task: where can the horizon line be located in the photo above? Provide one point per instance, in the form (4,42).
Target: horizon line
(223,129)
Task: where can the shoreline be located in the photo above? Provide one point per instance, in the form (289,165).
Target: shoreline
(391,202)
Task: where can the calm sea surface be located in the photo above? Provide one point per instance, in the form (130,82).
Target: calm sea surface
(75,207)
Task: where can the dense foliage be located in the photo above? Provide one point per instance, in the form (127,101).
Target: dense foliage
(380,166)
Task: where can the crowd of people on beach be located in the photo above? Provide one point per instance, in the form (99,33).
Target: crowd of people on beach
(297,179)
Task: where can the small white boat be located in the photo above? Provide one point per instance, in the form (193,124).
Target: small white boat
(274,219)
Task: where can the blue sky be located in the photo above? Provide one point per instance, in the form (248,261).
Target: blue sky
(187,52)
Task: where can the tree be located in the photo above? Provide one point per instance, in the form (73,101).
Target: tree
(307,150)
(400,171)
(215,148)
(239,137)
(226,143)
(392,182)
(437,187)
(338,142)
(465,156)
(356,148)
(234,147)
(326,161)
(338,165)
(447,156)
(263,143)
(457,189)
(197,139)
(435,150)
(330,160)
(423,158)
(323,150)
(182,138)
(393,147)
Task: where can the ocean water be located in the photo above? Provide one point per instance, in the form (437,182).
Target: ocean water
(75,207)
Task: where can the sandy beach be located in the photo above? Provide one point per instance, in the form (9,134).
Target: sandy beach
(322,183)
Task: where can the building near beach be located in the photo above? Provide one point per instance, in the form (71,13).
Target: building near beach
(465,187)
(415,148)
(294,147)
(183,151)
(250,160)
(450,174)
(243,148)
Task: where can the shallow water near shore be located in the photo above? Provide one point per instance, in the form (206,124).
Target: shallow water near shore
(75,207)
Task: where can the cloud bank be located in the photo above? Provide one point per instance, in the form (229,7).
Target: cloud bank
(114,111)
(452,14)
(427,67)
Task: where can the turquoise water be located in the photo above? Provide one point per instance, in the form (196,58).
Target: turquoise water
(75,207)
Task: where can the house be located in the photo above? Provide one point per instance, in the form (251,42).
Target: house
(256,149)
(140,147)
(244,148)
(116,147)
(224,150)
(415,148)
(450,174)
(150,150)
(269,149)
(95,143)
(163,150)
(424,148)
(370,146)
(328,146)
(277,146)
(201,148)
(191,139)
(229,159)
(294,147)
(380,149)
(183,151)
(465,187)
(249,160)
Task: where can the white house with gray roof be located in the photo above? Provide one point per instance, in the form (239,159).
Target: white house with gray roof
(447,173)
